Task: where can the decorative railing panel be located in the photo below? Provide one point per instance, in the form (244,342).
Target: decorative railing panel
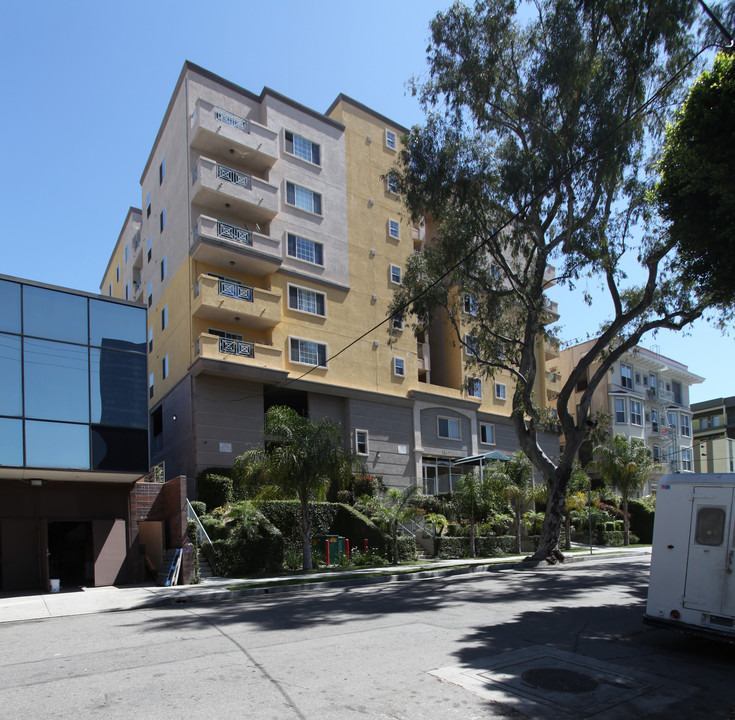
(234,233)
(236,347)
(231,119)
(235,290)
(233,176)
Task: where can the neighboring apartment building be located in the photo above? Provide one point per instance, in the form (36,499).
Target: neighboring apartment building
(714,435)
(268,247)
(647,397)
(73,434)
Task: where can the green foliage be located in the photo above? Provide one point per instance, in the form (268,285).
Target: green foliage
(360,558)
(214,490)
(252,544)
(192,533)
(486,546)
(199,507)
(642,516)
(696,192)
(533,521)
(406,548)
(214,527)
(393,507)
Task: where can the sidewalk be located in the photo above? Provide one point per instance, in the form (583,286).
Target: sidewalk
(83,601)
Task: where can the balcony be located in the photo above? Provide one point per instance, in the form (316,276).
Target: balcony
(551,349)
(423,354)
(137,252)
(553,384)
(218,132)
(221,187)
(226,245)
(238,353)
(227,302)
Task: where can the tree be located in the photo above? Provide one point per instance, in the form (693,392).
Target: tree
(696,192)
(624,463)
(393,507)
(519,489)
(579,485)
(300,459)
(536,152)
(472,497)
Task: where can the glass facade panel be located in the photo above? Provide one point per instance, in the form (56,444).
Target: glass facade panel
(119,449)
(54,315)
(56,380)
(11,442)
(118,386)
(11,397)
(9,306)
(116,326)
(57,445)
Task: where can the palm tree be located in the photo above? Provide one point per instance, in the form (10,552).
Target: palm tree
(519,489)
(472,499)
(300,459)
(624,464)
(394,507)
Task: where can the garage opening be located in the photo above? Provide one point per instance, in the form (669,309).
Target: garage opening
(71,553)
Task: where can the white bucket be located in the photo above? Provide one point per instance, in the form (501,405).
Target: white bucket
(54,585)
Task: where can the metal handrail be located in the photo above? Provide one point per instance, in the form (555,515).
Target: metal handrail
(204,542)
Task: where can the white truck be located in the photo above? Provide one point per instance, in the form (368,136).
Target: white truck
(692,586)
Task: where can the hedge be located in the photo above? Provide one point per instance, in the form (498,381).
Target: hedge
(485,546)
(214,490)
(641,520)
(250,549)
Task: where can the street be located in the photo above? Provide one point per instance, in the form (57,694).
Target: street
(390,650)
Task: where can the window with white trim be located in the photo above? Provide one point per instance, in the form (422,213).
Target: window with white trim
(654,420)
(303,198)
(302,148)
(626,375)
(361,442)
(391,184)
(397,323)
(395,274)
(636,413)
(448,428)
(686,426)
(305,300)
(399,367)
(672,421)
(307,352)
(470,305)
(474,387)
(391,140)
(620,416)
(307,250)
(470,345)
(656,453)
(394,229)
(686,459)
(487,434)
(500,391)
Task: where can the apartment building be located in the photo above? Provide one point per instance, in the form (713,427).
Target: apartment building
(269,243)
(714,435)
(647,397)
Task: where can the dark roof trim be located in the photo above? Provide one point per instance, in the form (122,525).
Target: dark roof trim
(346,98)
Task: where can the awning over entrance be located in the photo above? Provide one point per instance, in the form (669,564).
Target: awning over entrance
(480,459)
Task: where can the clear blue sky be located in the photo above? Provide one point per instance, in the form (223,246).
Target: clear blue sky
(86,85)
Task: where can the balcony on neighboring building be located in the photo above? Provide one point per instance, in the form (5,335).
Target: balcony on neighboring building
(224,188)
(423,355)
(226,245)
(553,384)
(136,254)
(551,349)
(221,133)
(227,301)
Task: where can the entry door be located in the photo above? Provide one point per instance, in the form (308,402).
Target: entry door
(710,584)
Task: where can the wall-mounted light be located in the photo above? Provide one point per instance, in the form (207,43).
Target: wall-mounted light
(173,417)
(371,202)
(36,483)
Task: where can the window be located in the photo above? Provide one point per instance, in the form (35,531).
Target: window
(150,339)
(163,218)
(150,385)
(399,367)
(148,205)
(163,268)
(394,229)
(164,367)
(715,421)
(109,291)
(150,294)
(118,274)
(164,317)
(703,424)
(487,433)
(474,387)
(626,376)
(397,323)
(303,249)
(127,291)
(391,184)
(636,416)
(150,248)
(710,527)
(470,305)
(395,274)
(302,198)
(686,426)
(686,459)
(308,301)
(470,345)
(448,428)
(162,171)
(619,410)
(654,421)
(652,384)
(308,352)
(361,442)
(390,139)
(127,251)
(637,378)
(500,391)
(302,148)
(672,421)
(495,272)
(656,453)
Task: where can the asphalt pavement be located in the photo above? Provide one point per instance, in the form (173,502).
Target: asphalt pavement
(84,601)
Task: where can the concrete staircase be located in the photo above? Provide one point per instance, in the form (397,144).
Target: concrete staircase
(205,569)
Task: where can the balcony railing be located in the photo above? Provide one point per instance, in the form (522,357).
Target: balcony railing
(230,119)
(233,176)
(235,290)
(236,347)
(234,233)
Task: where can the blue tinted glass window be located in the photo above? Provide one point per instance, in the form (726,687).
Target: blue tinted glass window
(59,445)
(121,449)
(56,380)
(116,326)
(11,442)
(9,306)
(54,315)
(118,386)
(11,398)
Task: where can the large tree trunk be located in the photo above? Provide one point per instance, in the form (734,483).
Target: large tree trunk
(626,527)
(518,510)
(568,531)
(548,548)
(472,537)
(306,534)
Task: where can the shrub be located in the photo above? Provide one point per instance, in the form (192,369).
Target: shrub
(451,547)
(362,558)
(251,546)
(406,548)
(214,490)
(199,507)
(192,529)
(501,523)
(495,545)
(214,527)
(615,538)
(642,516)
(346,497)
